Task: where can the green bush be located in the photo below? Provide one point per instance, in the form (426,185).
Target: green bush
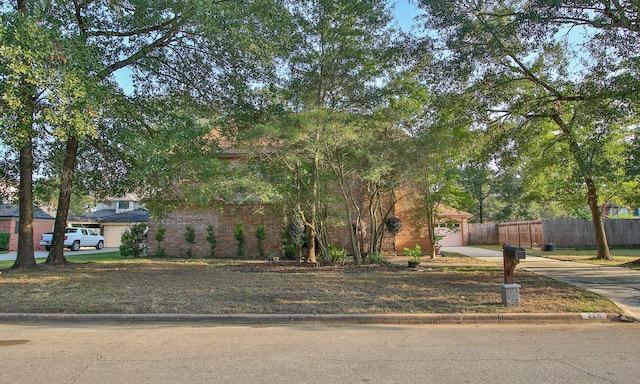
(134,241)
(159,238)
(212,239)
(337,254)
(376,258)
(261,235)
(190,238)
(238,233)
(4,240)
(415,253)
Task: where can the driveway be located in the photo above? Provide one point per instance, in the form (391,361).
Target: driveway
(620,285)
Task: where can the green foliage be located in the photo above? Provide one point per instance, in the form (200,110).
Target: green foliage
(159,237)
(415,253)
(338,255)
(260,236)
(212,239)
(376,258)
(4,240)
(190,239)
(134,241)
(238,233)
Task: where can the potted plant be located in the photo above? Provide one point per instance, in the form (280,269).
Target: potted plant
(415,255)
(437,245)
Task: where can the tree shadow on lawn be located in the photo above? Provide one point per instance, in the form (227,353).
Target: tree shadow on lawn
(210,286)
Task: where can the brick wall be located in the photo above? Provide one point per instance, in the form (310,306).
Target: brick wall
(410,235)
(224,222)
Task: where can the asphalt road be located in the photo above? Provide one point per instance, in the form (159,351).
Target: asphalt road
(110,353)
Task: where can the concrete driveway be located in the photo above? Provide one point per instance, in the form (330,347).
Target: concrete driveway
(620,285)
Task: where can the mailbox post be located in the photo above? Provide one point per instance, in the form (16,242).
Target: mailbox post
(511,256)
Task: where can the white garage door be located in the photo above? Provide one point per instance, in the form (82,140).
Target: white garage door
(452,235)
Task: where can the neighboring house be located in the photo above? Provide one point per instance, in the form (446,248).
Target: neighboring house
(610,209)
(112,217)
(9,222)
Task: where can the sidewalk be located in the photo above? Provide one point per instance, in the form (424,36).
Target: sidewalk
(620,285)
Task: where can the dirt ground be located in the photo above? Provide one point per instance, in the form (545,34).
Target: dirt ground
(446,285)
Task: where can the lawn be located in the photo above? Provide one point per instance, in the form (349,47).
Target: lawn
(111,284)
(628,258)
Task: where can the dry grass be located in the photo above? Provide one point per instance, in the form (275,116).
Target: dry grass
(447,285)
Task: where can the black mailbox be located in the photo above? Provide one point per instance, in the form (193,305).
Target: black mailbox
(513,252)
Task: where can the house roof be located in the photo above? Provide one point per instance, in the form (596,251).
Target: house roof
(134,216)
(110,216)
(453,213)
(13,210)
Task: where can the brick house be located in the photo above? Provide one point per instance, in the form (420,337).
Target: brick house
(252,215)
(9,222)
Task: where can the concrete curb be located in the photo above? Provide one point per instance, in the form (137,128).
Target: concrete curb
(311,319)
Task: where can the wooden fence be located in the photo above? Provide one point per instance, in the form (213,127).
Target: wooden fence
(482,234)
(621,233)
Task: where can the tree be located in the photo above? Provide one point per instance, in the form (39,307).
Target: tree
(167,46)
(524,87)
(342,55)
(41,93)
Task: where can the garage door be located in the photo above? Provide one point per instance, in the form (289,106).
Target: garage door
(452,236)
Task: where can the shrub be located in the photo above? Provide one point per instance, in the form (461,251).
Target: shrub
(212,239)
(134,241)
(238,233)
(4,240)
(376,258)
(190,238)
(337,254)
(159,238)
(261,235)
(415,253)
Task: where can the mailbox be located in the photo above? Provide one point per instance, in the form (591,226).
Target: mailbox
(511,256)
(513,252)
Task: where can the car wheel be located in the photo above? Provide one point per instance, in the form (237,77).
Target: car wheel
(75,246)
(48,248)
(100,245)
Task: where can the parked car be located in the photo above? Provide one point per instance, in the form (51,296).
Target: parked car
(74,238)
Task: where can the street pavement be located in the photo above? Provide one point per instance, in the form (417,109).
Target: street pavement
(617,284)
(594,353)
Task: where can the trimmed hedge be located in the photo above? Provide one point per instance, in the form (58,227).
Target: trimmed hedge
(4,241)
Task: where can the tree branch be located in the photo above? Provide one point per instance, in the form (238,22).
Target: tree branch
(142,52)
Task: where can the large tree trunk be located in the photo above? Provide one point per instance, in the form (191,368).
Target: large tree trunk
(56,253)
(25,258)
(592,193)
(598,224)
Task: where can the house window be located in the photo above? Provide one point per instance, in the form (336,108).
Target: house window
(17,228)
(123,205)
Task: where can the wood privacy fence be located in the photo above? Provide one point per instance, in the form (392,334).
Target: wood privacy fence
(621,233)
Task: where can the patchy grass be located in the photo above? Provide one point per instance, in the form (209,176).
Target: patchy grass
(452,284)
